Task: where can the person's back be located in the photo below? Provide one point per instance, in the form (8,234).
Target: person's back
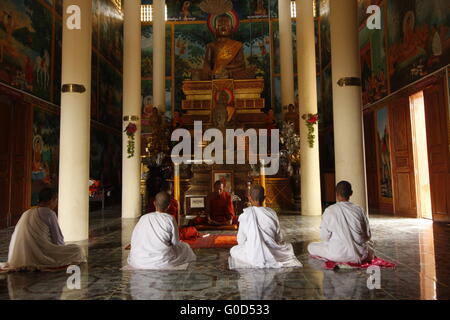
(260,243)
(155,241)
(344,230)
(37,241)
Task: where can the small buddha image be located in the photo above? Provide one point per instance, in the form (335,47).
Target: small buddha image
(185,13)
(270,120)
(292,116)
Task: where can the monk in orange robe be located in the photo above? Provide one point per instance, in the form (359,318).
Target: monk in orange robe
(220,206)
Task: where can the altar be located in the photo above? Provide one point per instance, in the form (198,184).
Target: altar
(244,95)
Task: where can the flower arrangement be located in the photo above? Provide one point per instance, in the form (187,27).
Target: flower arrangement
(310,120)
(130,130)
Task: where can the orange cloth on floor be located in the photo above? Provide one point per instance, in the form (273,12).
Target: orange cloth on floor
(189,233)
(221,208)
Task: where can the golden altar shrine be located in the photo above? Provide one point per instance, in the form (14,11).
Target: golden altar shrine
(244,95)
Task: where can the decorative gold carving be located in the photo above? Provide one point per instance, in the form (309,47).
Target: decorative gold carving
(73,88)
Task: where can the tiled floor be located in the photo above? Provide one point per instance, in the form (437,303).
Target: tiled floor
(421,250)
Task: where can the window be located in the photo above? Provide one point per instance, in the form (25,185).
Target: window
(147,13)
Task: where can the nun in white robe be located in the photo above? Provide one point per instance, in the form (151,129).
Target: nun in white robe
(345,235)
(37,243)
(260,243)
(155,244)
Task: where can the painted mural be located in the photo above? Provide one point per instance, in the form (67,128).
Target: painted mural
(373,57)
(147,98)
(325,35)
(419,39)
(147,51)
(57,59)
(181,10)
(383,139)
(110,95)
(25,46)
(45,154)
(110,38)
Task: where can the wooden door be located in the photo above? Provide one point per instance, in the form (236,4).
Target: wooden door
(6,113)
(21,161)
(438,150)
(371,160)
(402,158)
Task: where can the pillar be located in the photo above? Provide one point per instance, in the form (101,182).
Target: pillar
(159,54)
(286,57)
(307,92)
(347,113)
(177,188)
(73,208)
(131,198)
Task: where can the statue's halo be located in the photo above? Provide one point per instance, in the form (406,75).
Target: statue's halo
(212,19)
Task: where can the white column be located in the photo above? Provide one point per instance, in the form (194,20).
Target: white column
(286,56)
(348,134)
(159,54)
(131,166)
(73,209)
(307,92)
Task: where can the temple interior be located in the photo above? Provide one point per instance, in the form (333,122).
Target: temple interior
(110,102)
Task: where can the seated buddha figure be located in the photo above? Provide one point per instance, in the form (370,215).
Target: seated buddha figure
(224,58)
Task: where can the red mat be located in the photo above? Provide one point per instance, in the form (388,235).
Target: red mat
(213,241)
(204,227)
(375,262)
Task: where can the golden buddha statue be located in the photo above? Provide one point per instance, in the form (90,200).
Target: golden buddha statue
(224,58)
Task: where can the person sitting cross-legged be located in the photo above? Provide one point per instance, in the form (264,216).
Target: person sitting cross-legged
(37,242)
(220,206)
(260,242)
(155,242)
(345,231)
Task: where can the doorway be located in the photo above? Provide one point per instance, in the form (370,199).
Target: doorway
(420,155)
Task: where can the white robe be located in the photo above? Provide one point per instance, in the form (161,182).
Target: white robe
(31,245)
(155,244)
(260,243)
(345,235)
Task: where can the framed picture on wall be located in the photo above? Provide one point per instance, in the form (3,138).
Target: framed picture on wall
(226,176)
(194,204)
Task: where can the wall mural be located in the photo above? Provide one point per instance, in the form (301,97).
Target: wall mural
(181,10)
(419,39)
(110,38)
(25,46)
(417,34)
(45,154)
(384,162)
(373,59)
(110,95)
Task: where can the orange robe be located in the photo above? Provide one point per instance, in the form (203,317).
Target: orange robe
(221,208)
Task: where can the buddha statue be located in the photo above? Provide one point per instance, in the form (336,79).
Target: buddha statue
(224,57)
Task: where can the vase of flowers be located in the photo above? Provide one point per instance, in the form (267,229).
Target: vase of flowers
(130,130)
(311,119)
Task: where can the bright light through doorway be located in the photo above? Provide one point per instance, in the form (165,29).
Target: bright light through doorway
(419,134)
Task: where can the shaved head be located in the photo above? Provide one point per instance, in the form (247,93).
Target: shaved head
(344,189)
(162,201)
(257,193)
